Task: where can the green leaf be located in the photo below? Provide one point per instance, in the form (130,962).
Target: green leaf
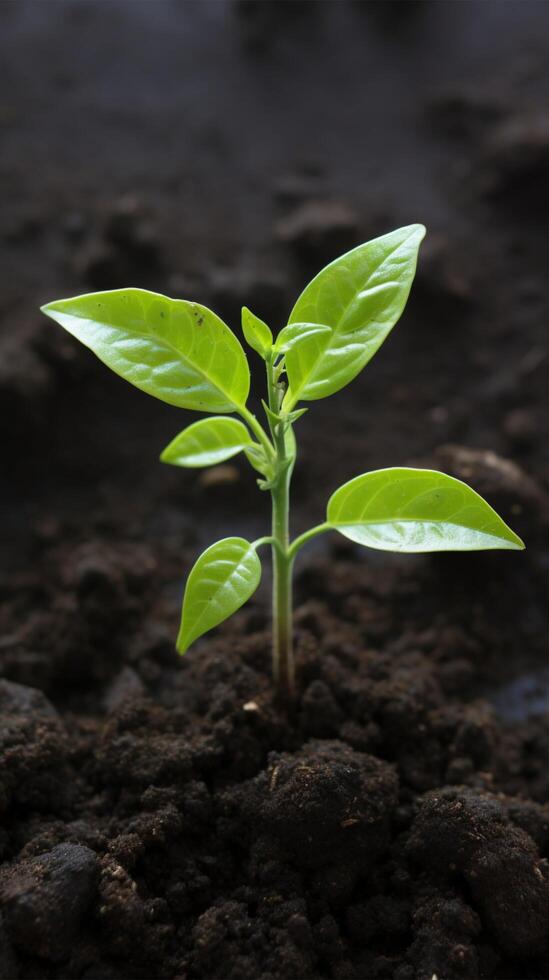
(416,511)
(283,419)
(359,297)
(256,332)
(295,333)
(177,351)
(207,442)
(221,581)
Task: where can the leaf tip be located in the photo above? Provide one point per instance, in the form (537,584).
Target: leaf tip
(165,455)
(517,544)
(183,642)
(54,308)
(419,231)
(512,542)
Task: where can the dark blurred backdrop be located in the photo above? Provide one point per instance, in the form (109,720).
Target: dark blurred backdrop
(223,151)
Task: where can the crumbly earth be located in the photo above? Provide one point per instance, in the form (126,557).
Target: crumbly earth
(174,820)
(170,819)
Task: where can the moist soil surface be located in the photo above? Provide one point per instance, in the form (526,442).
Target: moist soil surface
(170,818)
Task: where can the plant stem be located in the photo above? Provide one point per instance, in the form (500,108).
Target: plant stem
(257,430)
(260,541)
(283,653)
(298,543)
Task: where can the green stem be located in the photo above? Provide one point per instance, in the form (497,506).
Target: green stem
(298,543)
(261,541)
(283,653)
(258,431)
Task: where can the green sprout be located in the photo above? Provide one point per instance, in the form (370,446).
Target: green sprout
(185,355)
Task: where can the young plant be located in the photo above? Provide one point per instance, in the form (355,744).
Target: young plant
(187,356)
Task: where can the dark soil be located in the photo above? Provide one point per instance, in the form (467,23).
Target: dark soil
(170,819)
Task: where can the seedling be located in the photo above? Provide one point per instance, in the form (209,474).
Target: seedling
(185,355)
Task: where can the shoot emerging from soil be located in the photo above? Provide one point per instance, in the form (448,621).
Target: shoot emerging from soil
(184,354)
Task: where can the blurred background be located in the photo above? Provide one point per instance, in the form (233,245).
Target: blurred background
(223,152)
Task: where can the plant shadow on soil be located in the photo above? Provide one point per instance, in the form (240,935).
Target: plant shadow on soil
(168,818)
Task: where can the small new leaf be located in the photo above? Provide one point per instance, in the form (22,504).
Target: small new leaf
(258,335)
(285,418)
(359,297)
(294,416)
(207,442)
(273,417)
(413,510)
(177,351)
(220,582)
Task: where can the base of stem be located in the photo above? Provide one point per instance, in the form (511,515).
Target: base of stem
(284,674)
